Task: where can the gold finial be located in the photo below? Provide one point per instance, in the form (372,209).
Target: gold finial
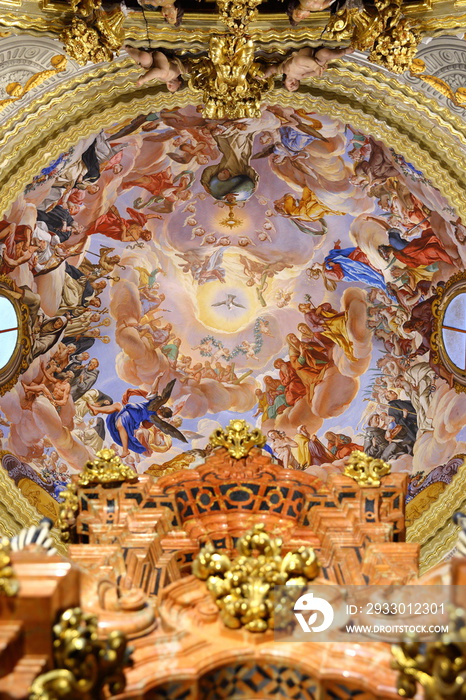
(237,438)
(243,588)
(85,664)
(439,666)
(365,470)
(9,585)
(67,513)
(107,468)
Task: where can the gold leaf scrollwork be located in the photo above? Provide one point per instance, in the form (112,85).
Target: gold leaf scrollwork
(237,438)
(365,470)
(85,664)
(68,509)
(439,666)
(243,588)
(9,585)
(105,469)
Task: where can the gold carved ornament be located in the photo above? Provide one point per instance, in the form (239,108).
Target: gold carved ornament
(458,97)
(237,438)
(85,664)
(243,588)
(67,513)
(390,37)
(17,91)
(231,82)
(107,468)
(93,34)
(439,667)
(9,585)
(365,470)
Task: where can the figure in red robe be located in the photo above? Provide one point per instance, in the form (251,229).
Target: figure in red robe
(294,388)
(114,226)
(156,183)
(420,252)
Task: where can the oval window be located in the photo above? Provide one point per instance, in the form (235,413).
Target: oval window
(9,331)
(448,340)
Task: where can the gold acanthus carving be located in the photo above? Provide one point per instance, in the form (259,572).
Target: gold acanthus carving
(85,664)
(107,468)
(439,667)
(237,438)
(9,585)
(243,588)
(365,470)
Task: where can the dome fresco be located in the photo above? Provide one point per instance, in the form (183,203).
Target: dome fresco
(180,272)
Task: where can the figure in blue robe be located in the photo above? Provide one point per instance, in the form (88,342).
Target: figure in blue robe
(352,267)
(125,418)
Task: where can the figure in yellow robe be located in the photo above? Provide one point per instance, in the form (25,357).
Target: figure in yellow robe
(308,208)
(324,322)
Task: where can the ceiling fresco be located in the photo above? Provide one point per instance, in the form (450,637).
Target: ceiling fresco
(179,271)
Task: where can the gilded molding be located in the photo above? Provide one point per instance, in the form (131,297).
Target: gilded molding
(68,510)
(434,530)
(16,512)
(42,16)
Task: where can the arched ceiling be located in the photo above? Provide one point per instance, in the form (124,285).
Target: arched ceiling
(412,131)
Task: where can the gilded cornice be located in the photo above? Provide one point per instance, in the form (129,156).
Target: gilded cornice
(44,16)
(424,132)
(17,512)
(434,530)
